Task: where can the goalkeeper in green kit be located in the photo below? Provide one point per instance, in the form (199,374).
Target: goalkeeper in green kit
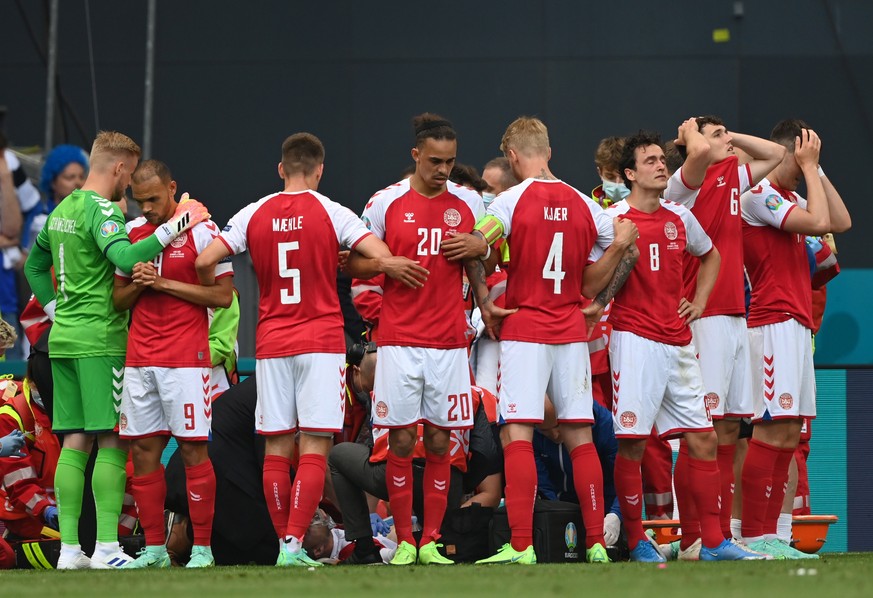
(84,240)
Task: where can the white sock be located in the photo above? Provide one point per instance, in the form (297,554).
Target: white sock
(70,549)
(783,527)
(754,539)
(737,528)
(292,544)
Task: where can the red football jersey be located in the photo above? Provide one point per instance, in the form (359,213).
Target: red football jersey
(553,231)
(166,331)
(648,303)
(775,259)
(716,205)
(294,241)
(414,226)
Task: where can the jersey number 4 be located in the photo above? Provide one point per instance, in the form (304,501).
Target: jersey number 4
(554,262)
(286,297)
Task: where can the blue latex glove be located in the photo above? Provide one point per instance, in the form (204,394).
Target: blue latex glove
(11,444)
(380,528)
(50,516)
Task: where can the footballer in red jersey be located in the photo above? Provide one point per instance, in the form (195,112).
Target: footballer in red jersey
(423,374)
(776,220)
(657,379)
(709,183)
(167,377)
(553,231)
(293,238)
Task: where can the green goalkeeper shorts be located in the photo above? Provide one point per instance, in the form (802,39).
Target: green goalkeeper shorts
(87,393)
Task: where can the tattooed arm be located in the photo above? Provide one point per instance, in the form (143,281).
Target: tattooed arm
(600,274)
(619,277)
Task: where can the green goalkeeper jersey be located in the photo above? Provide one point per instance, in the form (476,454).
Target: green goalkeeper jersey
(78,233)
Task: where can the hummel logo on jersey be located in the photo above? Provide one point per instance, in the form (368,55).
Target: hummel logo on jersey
(721,182)
(410,217)
(195,497)
(769,490)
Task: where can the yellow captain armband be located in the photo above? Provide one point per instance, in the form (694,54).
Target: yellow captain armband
(491,228)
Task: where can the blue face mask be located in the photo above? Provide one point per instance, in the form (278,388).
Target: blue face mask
(487,198)
(615,191)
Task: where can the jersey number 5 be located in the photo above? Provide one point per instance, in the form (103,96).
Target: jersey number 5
(285,272)
(554,261)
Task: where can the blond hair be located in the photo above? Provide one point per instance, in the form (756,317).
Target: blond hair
(110,146)
(526,135)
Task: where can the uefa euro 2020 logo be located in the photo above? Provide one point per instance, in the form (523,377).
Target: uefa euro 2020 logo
(570,536)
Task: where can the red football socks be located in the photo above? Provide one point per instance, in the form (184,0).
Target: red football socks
(437,476)
(149,492)
(398,478)
(725,459)
(306,491)
(704,486)
(277,491)
(685,499)
(201,501)
(588,482)
(777,495)
(629,488)
(757,486)
(521,489)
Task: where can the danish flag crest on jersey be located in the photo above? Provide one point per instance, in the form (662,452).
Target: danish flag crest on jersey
(628,419)
(452,217)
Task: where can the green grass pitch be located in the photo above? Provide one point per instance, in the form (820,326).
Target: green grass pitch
(834,576)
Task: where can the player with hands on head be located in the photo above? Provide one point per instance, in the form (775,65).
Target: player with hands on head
(650,327)
(780,322)
(709,183)
(84,240)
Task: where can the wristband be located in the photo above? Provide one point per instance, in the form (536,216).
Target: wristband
(165,234)
(485,257)
(820,171)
